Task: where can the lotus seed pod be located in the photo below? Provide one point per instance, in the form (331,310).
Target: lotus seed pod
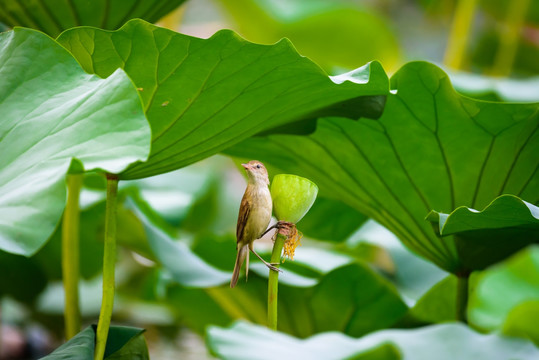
(292,197)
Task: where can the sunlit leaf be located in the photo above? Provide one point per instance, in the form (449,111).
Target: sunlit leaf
(204,95)
(53,112)
(522,321)
(445,342)
(502,288)
(439,303)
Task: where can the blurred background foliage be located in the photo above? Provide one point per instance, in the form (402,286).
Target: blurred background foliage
(346,262)
(176,233)
(344,34)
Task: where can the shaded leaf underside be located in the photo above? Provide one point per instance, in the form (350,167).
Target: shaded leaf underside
(54,16)
(506,211)
(431,149)
(485,237)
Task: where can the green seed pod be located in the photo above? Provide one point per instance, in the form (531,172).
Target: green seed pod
(292,197)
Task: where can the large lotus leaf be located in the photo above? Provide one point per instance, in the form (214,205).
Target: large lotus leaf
(355,300)
(185,267)
(55,16)
(431,149)
(203,95)
(438,304)
(53,112)
(331,220)
(500,290)
(122,343)
(484,237)
(22,278)
(522,321)
(443,342)
(317,285)
(351,299)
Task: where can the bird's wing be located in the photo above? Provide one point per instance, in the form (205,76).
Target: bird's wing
(245,210)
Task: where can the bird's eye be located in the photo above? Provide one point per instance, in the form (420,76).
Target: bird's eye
(258,166)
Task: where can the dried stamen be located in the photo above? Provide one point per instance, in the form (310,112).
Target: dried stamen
(292,242)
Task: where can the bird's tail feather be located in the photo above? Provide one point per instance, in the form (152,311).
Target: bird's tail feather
(243,253)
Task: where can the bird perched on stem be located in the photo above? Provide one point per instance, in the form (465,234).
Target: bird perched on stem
(254,216)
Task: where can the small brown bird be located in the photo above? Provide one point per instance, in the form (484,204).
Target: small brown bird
(254,216)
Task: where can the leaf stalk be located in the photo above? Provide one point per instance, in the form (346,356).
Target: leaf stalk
(71,256)
(509,39)
(273,280)
(460,34)
(109,260)
(462,297)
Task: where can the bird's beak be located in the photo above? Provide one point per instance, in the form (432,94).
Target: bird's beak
(246,166)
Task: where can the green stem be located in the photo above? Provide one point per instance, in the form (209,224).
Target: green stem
(273,281)
(1,326)
(507,49)
(109,260)
(71,255)
(460,33)
(462,297)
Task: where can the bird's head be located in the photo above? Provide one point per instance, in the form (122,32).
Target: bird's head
(257,172)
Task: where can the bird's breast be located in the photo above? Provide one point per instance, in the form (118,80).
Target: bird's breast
(260,215)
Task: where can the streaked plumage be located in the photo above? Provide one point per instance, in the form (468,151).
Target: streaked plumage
(254,216)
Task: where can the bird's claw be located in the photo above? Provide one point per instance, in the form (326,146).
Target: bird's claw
(283,224)
(271,267)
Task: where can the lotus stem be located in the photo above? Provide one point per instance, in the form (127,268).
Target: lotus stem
(71,256)
(273,281)
(460,34)
(109,260)
(507,49)
(462,297)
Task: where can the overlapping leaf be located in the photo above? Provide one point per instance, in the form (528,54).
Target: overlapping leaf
(186,268)
(484,237)
(431,149)
(503,288)
(202,96)
(55,16)
(350,299)
(319,284)
(503,298)
(122,343)
(52,112)
(444,342)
